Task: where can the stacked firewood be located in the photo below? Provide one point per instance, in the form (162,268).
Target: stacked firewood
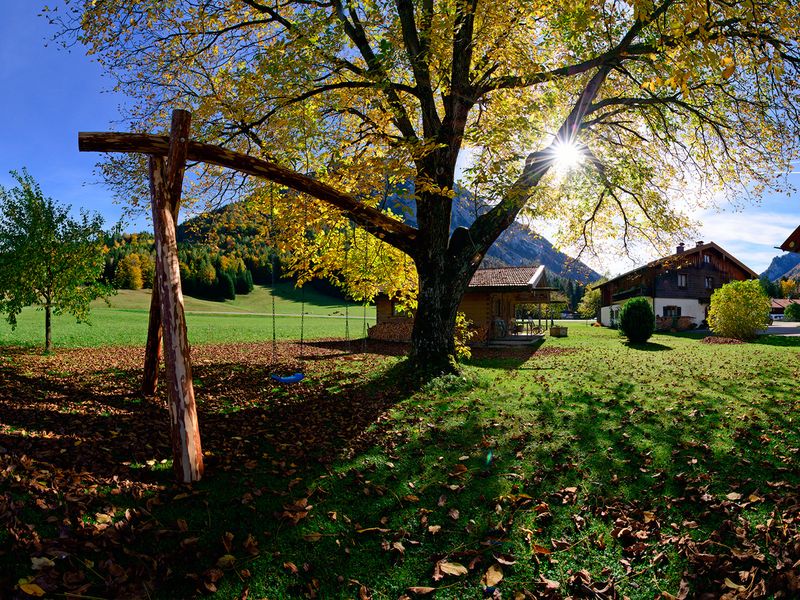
(392,331)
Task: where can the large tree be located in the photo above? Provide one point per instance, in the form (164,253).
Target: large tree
(663,101)
(47,258)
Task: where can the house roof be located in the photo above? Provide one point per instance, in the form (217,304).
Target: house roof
(508,277)
(688,252)
(782,302)
(792,243)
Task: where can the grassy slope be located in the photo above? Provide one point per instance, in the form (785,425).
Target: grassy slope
(124,323)
(579,438)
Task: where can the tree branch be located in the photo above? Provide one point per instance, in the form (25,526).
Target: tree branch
(418,57)
(355,31)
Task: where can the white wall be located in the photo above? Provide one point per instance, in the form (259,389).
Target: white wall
(605,311)
(689,308)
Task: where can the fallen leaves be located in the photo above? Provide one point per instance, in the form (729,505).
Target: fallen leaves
(735,535)
(493,576)
(296,511)
(31,589)
(421,590)
(451,568)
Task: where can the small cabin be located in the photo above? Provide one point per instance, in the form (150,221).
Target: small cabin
(490,303)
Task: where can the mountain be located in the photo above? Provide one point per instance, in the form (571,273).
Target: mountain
(517,246)
(793,273)
(786,265)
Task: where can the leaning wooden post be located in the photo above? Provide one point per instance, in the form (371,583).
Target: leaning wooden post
(165,186)
(152,349)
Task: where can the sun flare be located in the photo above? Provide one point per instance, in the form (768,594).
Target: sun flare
(568,155)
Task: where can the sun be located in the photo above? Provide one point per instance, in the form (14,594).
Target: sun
(567,155)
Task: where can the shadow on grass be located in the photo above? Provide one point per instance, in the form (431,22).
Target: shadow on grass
(374,466)
(647,346)
(93,446)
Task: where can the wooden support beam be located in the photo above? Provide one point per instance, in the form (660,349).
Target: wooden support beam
(152,349)
(165,184)
(395,232)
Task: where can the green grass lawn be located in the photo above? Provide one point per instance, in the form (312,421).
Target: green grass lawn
(589,465)
(246,319)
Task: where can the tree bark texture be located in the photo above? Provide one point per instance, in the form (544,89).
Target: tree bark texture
(165,189)
(152,351)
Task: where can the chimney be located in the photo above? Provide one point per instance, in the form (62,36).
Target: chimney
(700,242)
(680,248)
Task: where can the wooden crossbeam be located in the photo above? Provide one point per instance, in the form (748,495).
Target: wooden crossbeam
(395,232)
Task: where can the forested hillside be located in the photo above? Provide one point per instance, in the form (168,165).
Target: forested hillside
(222,253)
(226,251)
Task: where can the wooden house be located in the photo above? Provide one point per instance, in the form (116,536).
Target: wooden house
(490,303)
(678,286)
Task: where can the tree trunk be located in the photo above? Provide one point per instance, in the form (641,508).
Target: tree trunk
(152,351)
(441,285)
(432,339)
(48,328)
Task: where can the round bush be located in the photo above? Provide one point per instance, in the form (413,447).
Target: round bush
(738,310)
(636,320)
(792,313)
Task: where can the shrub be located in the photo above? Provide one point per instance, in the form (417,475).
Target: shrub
(462,337)
(738,310)
(792,312)
(636,320)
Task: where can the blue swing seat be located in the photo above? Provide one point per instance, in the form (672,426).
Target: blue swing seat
(296,378)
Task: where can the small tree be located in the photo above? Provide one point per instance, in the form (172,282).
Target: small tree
(738,310)
(770,288)
(636,320)
(788,288)
(589,307)
(792,313)
(128,275)
(46,257)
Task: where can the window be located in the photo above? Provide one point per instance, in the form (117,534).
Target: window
(672,311)
(707,259)
(682,281)
(709,283)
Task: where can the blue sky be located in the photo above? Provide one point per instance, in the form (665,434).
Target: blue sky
(49,94)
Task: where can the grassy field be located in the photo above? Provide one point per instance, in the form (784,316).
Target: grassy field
(589,468)
(246,319)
